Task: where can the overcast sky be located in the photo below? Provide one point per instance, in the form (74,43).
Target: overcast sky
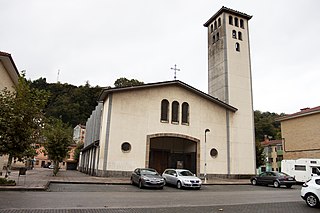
(102,40)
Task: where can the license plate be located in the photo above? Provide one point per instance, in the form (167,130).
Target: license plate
(290,178)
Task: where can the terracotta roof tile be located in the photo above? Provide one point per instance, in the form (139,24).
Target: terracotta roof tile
(302,112)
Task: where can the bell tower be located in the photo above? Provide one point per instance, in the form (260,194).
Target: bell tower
(229,79)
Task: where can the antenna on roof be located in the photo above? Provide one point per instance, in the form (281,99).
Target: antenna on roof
(58,75)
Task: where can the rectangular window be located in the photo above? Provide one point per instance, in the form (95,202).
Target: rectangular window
(241,23)
(299,167)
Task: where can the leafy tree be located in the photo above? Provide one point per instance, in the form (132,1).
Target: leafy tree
(265,124)
(260,156)
(58,137)
(21,119)
(124,82)
(71,104)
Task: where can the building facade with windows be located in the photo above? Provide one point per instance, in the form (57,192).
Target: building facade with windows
(79,133)
(300,134)
(274,155)
(174,125)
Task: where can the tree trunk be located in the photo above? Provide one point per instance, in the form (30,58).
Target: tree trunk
(55,167)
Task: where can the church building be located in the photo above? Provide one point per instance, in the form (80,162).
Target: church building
(174,125)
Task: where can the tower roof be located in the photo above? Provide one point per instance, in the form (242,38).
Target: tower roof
(227,10)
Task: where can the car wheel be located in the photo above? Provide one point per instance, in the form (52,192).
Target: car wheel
(276,184)
(289,186)
(179,186)
(140,184)
(254,182)
(312,200)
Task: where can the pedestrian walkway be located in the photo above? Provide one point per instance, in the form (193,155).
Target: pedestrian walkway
(39,179)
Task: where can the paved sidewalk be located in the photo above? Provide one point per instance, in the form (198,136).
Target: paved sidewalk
(39,179)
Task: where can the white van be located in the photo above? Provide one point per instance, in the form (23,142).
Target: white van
(302,169)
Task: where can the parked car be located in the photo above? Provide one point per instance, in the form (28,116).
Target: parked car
(146,177)
(310,191)
(181,178)
(51,166)
(277,179)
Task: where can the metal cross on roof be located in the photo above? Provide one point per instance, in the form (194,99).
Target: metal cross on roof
(175,71)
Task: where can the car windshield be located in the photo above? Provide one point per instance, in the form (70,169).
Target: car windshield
(185,173)
(148,172)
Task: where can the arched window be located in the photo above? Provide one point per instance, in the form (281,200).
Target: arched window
(236,22)
(240,36)
(237,47)
(218,37)
(241,23)
(185,113)
(230,20)
(234,34)
(164,110)
(175,112)
(215,25)
(211,28)
(219,22)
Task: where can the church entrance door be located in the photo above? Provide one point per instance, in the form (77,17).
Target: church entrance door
(172,152)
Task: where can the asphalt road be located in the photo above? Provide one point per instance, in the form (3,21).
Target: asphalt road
(127,198)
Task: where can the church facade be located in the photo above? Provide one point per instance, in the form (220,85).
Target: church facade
(174,125)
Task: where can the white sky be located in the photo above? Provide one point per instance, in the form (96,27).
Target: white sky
(102,40)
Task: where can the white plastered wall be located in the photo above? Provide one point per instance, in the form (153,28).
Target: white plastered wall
(136,114)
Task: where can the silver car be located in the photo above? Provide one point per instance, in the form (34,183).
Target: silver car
(146,177)
(181,178)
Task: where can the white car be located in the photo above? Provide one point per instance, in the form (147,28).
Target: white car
(310,191)
(181,178)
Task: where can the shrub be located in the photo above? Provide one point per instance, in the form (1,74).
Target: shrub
(4,181)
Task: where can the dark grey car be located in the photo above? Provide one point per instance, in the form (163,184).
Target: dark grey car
(275,178)
(146,177)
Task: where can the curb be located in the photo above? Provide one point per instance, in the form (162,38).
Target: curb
(46,186)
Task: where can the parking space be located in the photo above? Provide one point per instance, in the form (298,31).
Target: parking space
(66,187)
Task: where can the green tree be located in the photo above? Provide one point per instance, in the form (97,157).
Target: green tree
(21,119)
(124,82)
(58,137)
(265,124)
(260,156)
(71,104)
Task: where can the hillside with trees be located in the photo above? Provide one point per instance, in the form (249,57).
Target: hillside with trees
(74,104)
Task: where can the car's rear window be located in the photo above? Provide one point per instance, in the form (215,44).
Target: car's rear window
(148,172)
(185,173)
(282,174)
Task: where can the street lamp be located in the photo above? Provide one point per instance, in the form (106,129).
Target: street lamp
(205,154)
